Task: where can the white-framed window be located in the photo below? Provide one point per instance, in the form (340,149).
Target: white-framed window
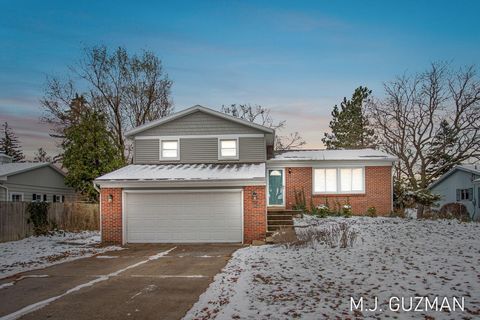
(228,149)
(338,180)
(16,197)
(169,150)
(58,198)
(325,180)
(45,198)
(36,197)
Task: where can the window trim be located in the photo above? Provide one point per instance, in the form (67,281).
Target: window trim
(237,149)
(16,194)
(161,157)
(339,183)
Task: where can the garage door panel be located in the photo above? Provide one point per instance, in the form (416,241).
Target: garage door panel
(184,217)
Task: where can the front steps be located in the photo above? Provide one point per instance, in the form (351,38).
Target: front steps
(280,219)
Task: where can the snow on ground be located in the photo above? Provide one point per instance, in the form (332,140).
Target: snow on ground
(39,252)
(392,257)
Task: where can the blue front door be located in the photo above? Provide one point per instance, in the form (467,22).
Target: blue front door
(275,187)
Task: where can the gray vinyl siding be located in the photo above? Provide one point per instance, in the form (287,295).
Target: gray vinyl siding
(198,123)
(252,149)
(147,151)
(39,181)
(201,150)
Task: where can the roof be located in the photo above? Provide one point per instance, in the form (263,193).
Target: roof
(195,109)
(469,168)
(187,172)
(9,169)
(323,154)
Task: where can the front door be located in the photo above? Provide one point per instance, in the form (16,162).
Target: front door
(275,187)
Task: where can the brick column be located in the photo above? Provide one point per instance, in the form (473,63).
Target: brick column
(254,213)
(111,215)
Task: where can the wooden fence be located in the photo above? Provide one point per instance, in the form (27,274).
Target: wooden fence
(64,216)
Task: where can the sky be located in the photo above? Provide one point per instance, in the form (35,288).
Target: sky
(298,58)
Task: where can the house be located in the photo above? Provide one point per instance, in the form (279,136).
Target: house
(461,184)
(32,181)
(200,175)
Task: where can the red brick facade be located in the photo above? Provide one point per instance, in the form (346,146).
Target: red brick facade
(254,213)
(378,190)
(111,215)
(254,206)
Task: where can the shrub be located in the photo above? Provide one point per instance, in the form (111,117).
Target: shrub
(300,201)
(347,210)
(371,212)
(336,235)
(39,217)
(454,211)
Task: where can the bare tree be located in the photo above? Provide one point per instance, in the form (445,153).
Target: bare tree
(430,121)
(261,115)
(42,156)
(129,89)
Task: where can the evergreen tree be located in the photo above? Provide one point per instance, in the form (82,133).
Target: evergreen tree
(89,152)
(10,145)
(350,126)
(42,156)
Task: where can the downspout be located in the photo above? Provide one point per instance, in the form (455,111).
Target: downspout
(6,191)
(99,206)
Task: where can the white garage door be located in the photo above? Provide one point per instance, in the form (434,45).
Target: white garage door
(214,216)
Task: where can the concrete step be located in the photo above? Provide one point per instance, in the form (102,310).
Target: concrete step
(280,222)
(278,227)
(279,217)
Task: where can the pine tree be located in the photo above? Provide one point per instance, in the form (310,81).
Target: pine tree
(42,156)
(89,152)
(350,126)
(10,145)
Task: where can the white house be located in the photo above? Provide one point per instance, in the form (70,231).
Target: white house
(462,185)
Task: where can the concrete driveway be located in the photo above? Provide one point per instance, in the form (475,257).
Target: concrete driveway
(141,282)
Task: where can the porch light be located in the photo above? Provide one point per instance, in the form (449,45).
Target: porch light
(275,173)
(110,198)
(254,195)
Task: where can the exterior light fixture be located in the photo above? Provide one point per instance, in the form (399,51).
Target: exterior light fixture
(110,198)
(254,195)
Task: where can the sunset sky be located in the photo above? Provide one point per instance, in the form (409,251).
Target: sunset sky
(298,58)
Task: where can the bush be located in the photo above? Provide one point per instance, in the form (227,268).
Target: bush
(300,200)
(39,217)
(347,210)
(337,235)
(371,212)
(454,211)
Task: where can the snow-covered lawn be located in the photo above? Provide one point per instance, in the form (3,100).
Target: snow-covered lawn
(39,252)
(391,258)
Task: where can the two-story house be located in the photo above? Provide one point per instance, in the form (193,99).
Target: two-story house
(200,175)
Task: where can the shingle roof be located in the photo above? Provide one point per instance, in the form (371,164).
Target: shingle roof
(186,172)
(323,154)
(471,168)
(8,169)
(195,109)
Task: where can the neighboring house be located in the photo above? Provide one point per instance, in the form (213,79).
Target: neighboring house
(462,185)
(203,176)
(32,181)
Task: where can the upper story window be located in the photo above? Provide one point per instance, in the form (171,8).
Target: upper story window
(228,149)
(169,150)
(338,180)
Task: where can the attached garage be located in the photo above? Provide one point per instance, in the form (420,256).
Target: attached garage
(184,203)
(183,216)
